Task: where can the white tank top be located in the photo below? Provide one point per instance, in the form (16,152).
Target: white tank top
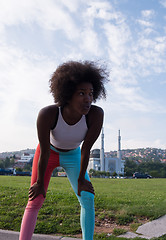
(66,136)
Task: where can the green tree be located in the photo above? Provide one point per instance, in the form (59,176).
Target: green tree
(108,174)
(19,169)
(7,162)
(28,168)
(2,164)
(92,172)
(114,174)
(12,161)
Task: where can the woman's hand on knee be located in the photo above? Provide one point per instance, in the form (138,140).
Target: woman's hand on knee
(85,185)
(35,190)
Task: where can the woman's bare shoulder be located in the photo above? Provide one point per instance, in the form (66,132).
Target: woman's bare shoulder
(95,115)
(95,110)
(49,110)
(48,115)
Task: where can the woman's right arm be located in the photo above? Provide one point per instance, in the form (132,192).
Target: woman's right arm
(45,121)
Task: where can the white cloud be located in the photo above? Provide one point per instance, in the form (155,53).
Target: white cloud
(145,23)
(52,17)
(150,55)
(72,6)
(118,37)
(146,18)
(89,42)
(98,9)
(147,14)
(163,3)
(48,15)
(15,12)
(24,80)
(160,45)
(149,31)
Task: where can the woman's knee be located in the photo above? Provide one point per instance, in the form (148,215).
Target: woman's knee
(36,203)
(87,200)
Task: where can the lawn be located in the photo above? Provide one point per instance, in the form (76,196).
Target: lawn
(120,201)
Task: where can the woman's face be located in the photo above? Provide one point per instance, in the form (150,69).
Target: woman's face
(82,98)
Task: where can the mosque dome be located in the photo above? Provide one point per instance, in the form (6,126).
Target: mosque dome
(95,153)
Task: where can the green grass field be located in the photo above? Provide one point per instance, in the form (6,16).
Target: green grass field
(122,201)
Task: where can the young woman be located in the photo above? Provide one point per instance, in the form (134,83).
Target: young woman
(62,127)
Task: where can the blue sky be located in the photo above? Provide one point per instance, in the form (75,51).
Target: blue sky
(128,35)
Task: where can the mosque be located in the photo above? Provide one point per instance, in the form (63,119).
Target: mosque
(101,161)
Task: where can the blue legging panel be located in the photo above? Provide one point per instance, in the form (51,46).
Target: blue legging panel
(71,162)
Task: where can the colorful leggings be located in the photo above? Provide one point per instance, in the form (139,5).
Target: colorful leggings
(70,161)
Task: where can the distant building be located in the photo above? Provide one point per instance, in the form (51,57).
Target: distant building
(94,160)
(26,158)
(101,161)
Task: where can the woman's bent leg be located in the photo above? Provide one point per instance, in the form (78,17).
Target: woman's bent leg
(30,217)
(87,217)
(71,164)
(32,208)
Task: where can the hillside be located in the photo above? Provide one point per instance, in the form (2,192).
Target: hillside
(17,154)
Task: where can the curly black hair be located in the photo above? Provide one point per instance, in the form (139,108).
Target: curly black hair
(67,76)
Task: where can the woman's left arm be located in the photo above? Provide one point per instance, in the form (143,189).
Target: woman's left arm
(95,122)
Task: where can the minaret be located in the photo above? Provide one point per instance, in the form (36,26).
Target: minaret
(119,147)
(102,164)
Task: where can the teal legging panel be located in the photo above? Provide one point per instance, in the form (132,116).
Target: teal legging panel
(71,162)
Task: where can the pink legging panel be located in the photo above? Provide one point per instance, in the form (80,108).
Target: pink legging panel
(32,208)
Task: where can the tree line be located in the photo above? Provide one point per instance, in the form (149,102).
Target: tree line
(10,162)
(156,169)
